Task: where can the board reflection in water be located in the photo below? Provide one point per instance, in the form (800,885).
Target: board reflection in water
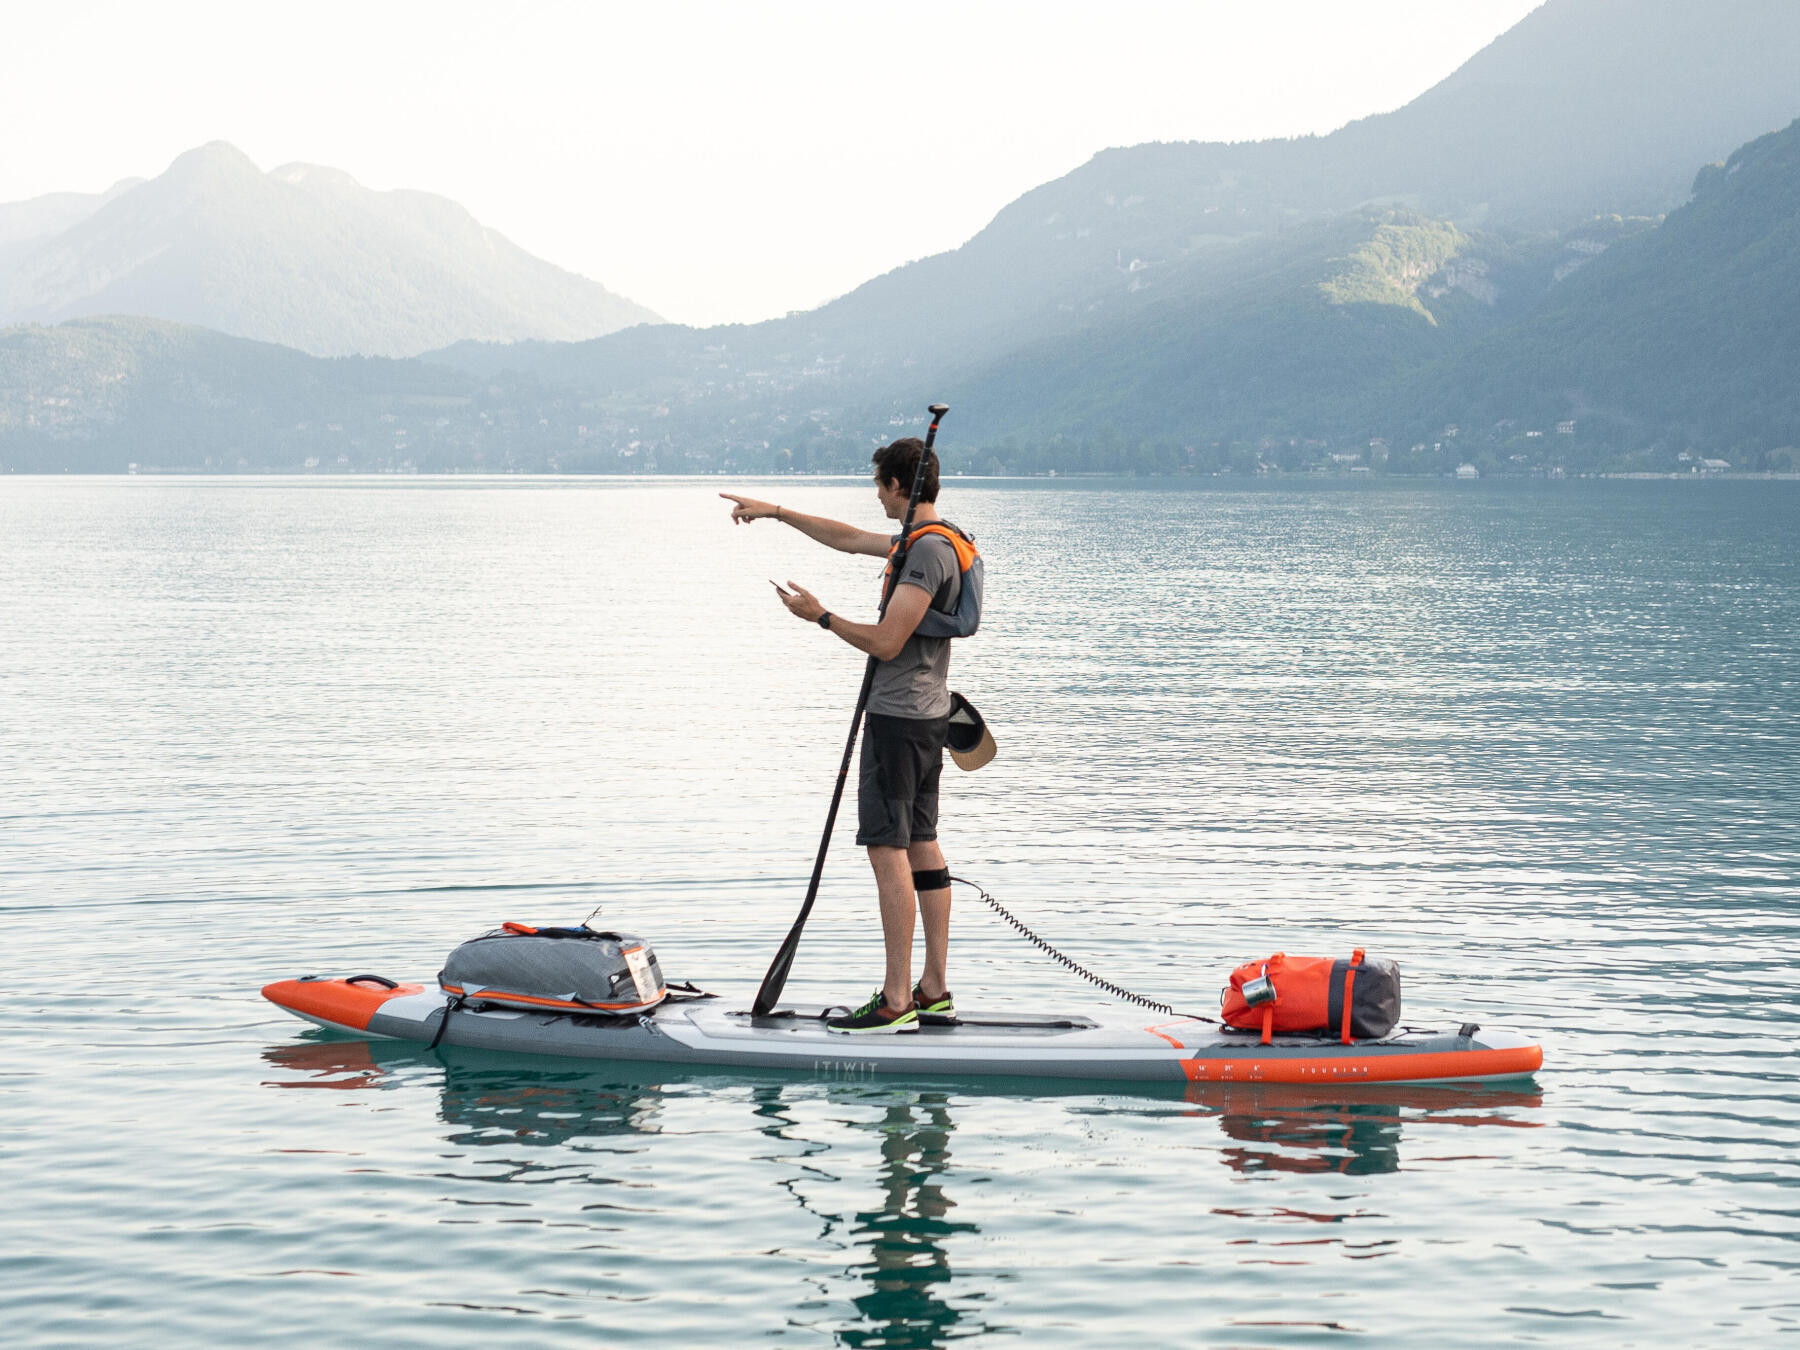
(899,1257)
(885,1267)
(1279,1128)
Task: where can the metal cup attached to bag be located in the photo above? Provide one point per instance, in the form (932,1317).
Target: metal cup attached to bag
(1258,991)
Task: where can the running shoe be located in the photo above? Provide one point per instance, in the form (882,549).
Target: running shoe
(874,1018)
(938,1014)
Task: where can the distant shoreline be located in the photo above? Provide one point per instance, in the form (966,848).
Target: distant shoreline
(539,476)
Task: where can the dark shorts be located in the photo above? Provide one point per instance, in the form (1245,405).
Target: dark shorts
(897,784)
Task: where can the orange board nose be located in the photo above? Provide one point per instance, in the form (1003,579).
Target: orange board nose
(336,1001)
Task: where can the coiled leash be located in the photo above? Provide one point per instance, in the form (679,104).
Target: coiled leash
(1070,963)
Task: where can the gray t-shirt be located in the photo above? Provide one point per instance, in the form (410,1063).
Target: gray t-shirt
(916,683)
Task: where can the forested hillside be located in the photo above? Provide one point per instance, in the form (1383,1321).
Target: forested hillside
(113,394)
(1687,335)
(97,395)
(1164,296)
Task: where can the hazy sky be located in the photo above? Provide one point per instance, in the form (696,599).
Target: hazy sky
(717,162)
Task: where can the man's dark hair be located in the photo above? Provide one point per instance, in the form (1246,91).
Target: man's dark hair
(900,461)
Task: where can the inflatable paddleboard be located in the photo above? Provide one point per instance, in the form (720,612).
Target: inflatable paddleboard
(1116,1047)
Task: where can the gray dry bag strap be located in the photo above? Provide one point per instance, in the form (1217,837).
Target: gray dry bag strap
(455,1002)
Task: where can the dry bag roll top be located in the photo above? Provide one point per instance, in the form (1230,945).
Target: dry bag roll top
(944,620)
(555,970)
(1357,999)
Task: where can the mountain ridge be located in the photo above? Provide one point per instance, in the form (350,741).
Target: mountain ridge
(303,256)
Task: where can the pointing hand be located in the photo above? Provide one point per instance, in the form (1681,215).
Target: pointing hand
(748,508)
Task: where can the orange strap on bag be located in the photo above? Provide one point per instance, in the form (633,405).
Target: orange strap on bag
(966,552)
(1356,959)
(1343,999)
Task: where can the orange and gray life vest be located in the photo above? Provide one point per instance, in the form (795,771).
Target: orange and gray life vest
(943,620)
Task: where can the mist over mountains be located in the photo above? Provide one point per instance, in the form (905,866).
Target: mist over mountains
(303,256)
(26,225)
(1449,281)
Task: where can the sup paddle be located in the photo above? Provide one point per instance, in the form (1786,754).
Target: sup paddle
(770,992)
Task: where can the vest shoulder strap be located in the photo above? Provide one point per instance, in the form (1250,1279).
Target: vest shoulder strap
(964,544)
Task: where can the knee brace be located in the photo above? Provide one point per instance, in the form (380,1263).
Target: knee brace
(936,880)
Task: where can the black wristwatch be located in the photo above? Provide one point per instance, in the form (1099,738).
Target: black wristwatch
(825,621)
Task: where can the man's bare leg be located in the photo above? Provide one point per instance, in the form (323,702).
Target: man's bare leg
(934,907)
(893,883)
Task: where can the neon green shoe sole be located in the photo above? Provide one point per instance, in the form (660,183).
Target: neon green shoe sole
(874,1019)
(940,1013)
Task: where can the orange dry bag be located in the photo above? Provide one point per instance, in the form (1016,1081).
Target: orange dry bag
(1358,998)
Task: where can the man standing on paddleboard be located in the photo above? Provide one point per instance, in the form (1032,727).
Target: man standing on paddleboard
(908,716)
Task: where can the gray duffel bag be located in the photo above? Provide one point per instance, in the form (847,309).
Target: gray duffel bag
(555,970)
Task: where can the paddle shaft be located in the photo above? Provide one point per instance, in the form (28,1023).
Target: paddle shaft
(776,978)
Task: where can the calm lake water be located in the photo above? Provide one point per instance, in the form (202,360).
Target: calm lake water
(1538,743)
